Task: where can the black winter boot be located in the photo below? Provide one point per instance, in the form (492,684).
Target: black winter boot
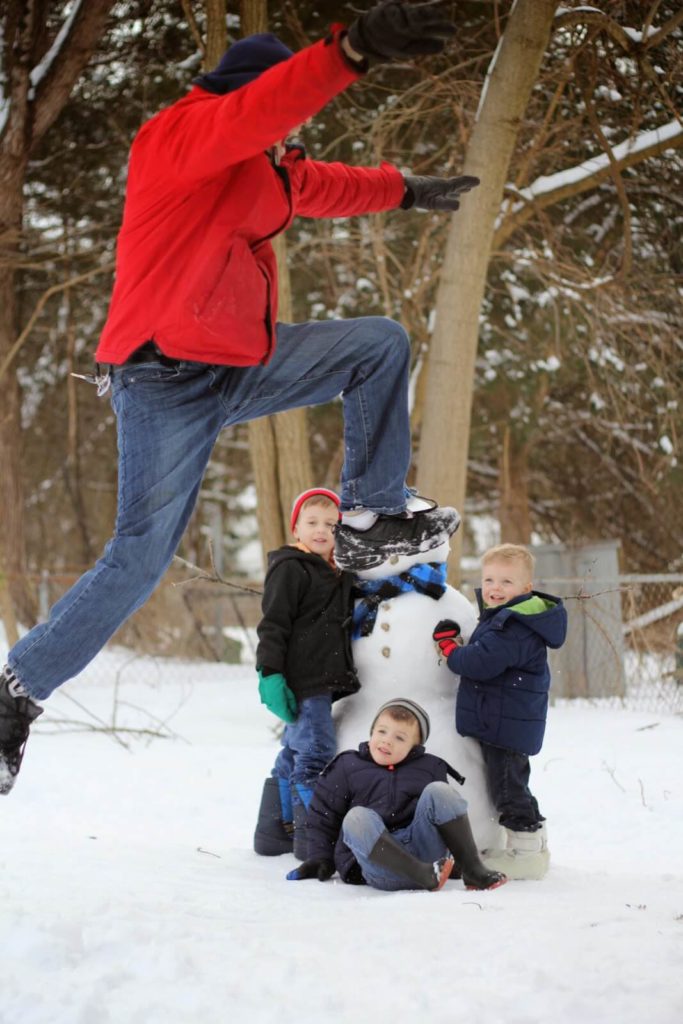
(17,712)
(356,550)
(457,835)
(273,834)
(389,853)
(301,798)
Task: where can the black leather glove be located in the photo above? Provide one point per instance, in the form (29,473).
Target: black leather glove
(395,29)
(446,635)
(425,193)
(322,869)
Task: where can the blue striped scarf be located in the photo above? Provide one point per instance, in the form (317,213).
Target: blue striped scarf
(428,578)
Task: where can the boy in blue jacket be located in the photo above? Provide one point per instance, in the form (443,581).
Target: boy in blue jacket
(503,695)
(384,815)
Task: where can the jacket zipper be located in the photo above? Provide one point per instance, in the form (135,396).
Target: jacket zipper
(284,176)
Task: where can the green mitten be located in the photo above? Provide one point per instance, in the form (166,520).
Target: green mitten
(277,696)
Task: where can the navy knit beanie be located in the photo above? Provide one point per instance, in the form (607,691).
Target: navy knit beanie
(243,62)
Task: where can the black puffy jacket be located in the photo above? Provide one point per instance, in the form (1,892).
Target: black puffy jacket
(305,632)
(353,779)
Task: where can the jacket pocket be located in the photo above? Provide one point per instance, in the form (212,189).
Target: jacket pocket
(238,293)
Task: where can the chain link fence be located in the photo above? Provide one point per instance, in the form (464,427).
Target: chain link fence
(624,645)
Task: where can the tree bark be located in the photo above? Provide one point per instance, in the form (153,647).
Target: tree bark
(216,34)
(280,450)
(450,381)
(513,476)
(31,109)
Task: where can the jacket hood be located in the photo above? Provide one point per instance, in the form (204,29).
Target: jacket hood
(243,62)
(549,622)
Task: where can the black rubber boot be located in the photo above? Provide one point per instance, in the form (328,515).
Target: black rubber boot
(390,854)
(300,850)
(273,836)
(457,835)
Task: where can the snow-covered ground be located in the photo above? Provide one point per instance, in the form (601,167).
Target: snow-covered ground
(130,892)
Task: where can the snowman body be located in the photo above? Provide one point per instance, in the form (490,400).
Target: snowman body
(399,658)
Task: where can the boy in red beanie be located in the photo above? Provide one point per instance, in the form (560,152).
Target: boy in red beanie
(304,662)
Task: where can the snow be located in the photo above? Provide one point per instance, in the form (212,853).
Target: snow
(130,891)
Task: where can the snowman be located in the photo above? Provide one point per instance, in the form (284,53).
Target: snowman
(403,595)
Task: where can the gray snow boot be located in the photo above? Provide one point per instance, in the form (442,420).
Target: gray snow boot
(457,835)
(17,712)
(390,854)
(273,835)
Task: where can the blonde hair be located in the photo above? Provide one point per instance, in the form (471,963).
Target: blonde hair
(510,553)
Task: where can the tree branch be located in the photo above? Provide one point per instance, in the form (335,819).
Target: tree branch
(47,294)
(572,182)
(65,67)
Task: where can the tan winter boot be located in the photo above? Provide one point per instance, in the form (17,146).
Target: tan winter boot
(526,856)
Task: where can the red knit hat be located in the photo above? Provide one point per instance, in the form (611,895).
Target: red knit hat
(305,495)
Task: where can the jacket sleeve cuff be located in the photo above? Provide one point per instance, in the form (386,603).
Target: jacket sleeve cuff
(336,34)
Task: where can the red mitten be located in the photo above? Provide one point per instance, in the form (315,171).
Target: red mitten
(446,635)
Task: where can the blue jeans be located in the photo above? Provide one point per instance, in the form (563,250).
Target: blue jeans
(308,743)
(507,774)
(362,827)
(168,421)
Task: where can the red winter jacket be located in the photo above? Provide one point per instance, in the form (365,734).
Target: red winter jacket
(195,270)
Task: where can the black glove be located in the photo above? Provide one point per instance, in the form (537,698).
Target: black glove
(396,29)
(322,869)
(425,193)
(446,634)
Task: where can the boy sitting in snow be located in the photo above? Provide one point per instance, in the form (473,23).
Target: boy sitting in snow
(503,695)
(384,815)
(304,662)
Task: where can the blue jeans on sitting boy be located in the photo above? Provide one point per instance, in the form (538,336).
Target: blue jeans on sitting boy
(362,827)
(507,773)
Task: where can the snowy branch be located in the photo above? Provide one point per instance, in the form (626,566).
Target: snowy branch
(548,190)
(629,39)
(53,79)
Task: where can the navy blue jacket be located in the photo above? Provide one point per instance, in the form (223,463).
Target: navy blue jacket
(353,779)
(503,693)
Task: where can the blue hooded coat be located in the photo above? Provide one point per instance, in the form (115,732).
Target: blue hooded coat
(505,679)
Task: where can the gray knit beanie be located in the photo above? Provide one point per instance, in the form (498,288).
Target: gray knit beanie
(415,709)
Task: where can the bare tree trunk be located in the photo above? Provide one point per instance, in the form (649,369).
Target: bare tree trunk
(253,16)
(12,535)
(450,382)
(73,474)
(513,514)
(31,109)
(280,450)
(216,36)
